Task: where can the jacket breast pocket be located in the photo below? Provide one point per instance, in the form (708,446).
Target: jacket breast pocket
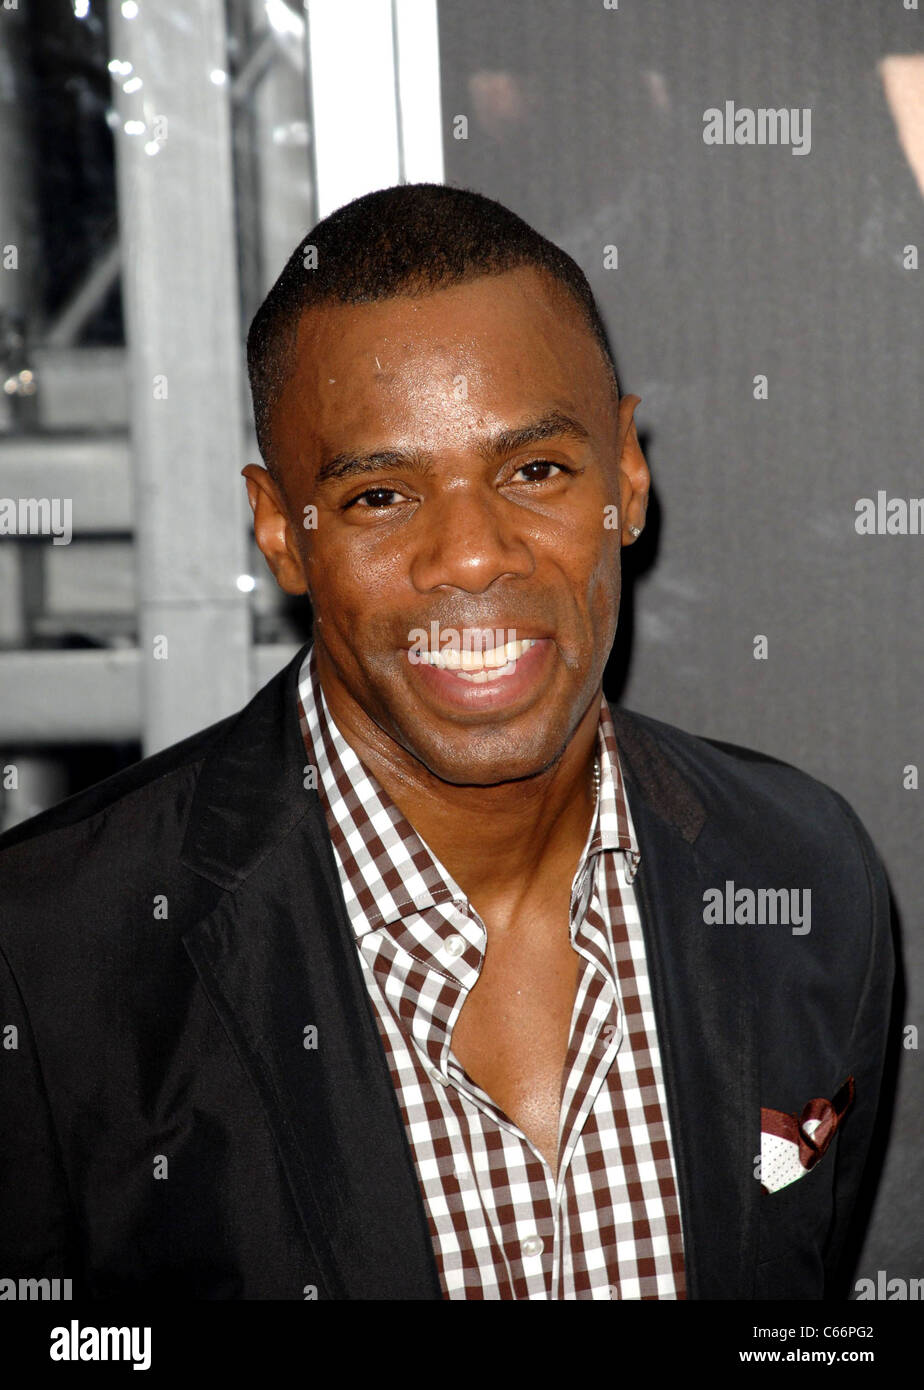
(793,1232)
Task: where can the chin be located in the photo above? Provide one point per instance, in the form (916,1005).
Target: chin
(483,760)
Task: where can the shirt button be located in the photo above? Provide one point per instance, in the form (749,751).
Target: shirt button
(532,1245)
(455,945)
(437,1075)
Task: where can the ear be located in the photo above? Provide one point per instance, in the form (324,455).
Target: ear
(272,531)
(634,478)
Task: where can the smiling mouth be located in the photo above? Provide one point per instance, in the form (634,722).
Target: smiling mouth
(492,681)
(479,667)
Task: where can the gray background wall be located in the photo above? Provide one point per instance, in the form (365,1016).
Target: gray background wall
(734,261)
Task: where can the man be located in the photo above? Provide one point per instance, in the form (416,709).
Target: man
(430,974)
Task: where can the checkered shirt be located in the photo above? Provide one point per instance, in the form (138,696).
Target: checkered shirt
(503,1225)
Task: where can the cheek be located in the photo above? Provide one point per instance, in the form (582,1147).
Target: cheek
(338,604)
(354,600)
(361,562)
(605,586)
(340,578)
(592,565)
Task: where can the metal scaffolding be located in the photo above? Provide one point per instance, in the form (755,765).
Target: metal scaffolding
(234,128)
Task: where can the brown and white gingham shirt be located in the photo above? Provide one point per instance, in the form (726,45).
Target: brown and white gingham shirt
(503,1226)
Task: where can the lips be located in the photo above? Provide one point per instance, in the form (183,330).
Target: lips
(497,677)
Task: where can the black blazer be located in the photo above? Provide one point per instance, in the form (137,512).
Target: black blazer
(167,936)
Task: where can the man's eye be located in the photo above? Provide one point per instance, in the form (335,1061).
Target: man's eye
(374,497)
(538,470)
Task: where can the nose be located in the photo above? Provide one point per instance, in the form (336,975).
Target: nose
(469,539)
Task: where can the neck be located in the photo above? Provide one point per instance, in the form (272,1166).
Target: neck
(507,846)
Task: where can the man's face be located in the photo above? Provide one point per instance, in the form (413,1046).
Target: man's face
(462,449)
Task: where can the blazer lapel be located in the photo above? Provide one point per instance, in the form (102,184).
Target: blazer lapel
(277,958)
(703,1001)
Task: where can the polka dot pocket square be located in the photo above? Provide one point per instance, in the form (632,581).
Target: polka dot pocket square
(791,1145)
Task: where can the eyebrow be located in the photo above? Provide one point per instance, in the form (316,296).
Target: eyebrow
(553,424)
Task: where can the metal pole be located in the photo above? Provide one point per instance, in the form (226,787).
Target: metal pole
(180,295)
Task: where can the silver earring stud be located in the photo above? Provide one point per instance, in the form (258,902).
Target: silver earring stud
(635,530)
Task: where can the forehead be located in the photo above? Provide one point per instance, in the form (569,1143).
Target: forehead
(423,364)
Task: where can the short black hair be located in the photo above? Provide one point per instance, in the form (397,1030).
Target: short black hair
(406,240)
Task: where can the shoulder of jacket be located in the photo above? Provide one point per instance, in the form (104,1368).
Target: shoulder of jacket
(158,774)
(764,793)
(695,753)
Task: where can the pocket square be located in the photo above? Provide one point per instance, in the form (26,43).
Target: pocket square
(791,1145)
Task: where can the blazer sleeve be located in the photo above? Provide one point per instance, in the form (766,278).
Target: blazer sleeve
(864,1059)
(37,1232)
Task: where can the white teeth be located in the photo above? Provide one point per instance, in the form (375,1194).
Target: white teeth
(480,677)
(481,666)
